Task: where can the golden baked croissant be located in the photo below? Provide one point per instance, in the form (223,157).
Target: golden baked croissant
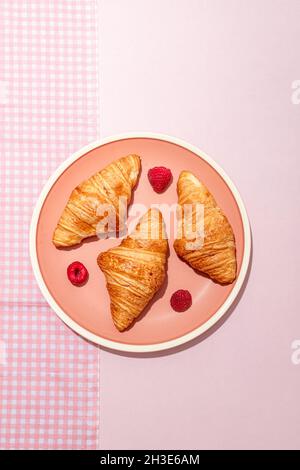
(81,216)
(135,270)
(216,256)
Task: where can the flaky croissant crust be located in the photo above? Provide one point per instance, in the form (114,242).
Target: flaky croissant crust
(79,219)
(217,255)
(135,270)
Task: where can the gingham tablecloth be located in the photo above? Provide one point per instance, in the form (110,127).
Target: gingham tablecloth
(49,375)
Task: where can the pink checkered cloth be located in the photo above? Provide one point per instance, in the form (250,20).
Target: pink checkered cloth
(48,83)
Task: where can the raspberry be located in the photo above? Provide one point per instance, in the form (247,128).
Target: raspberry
(77,273)
(159,178)
(181,300)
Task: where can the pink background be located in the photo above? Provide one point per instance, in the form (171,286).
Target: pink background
(218,74)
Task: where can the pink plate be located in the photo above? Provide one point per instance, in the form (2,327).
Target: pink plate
(86,309)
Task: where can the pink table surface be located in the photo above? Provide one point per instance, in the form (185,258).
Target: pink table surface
(218,74)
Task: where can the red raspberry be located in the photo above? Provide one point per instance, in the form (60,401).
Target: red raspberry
(77,273)
(159,178)
(181,300)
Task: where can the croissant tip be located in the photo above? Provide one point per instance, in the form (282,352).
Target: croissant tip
(100,259)
(182,176)
(57,244)
(184,173)
(120,328)
(136,157)
(119,324)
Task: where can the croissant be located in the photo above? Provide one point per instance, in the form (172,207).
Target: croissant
(80,218)
(135,270)
(216,254)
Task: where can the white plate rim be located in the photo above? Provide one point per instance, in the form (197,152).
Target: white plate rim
(115,345)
